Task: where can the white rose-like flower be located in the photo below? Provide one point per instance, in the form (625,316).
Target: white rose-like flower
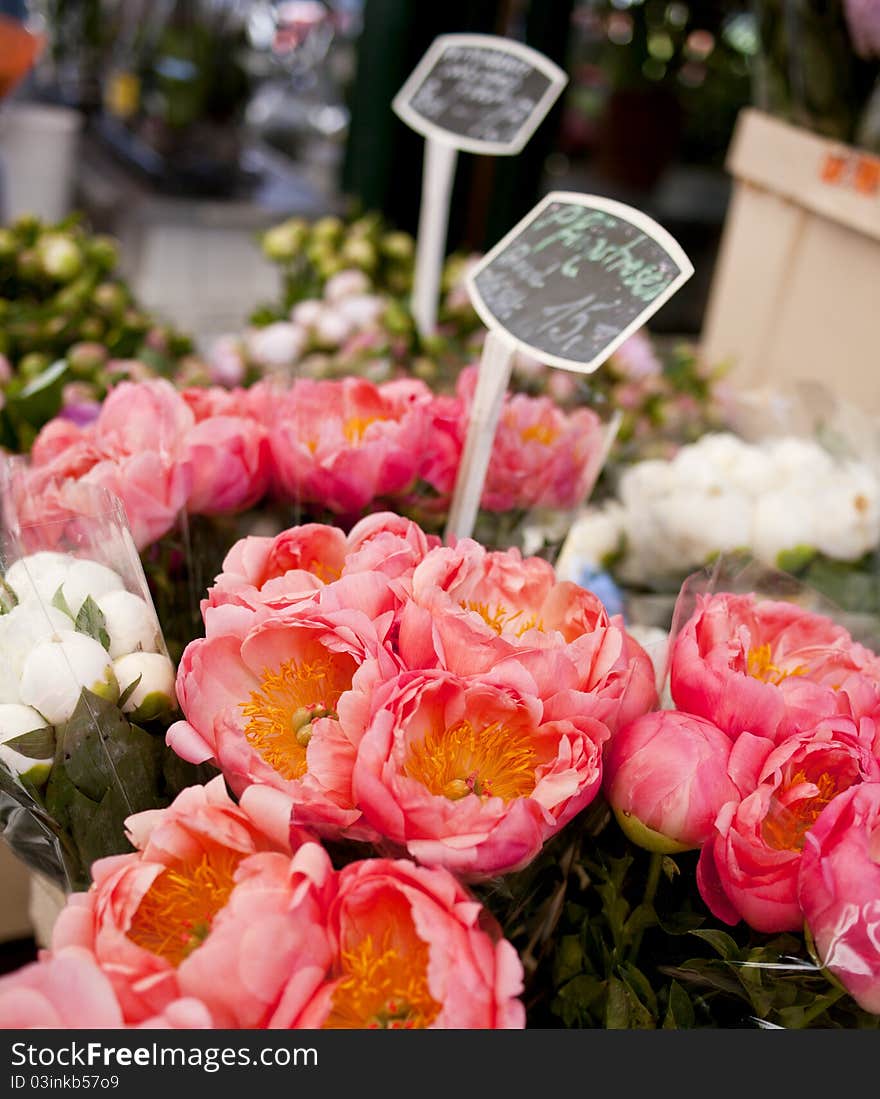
(305,313)
(593,537)
(847,510)
(20,631)
(795,459)
(361,310)
(15,721)
(332,328)
(346,284)
(278,344)
(647,481)
(88,578)
(130,623)
(782,520)
(38,576)
(57,670)
(154,694)
(734,463)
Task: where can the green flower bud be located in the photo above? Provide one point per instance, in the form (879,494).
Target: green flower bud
(110,298)
(327,229)
(86,358)
(33,364)
(398,245)
(60,257)
(283,242)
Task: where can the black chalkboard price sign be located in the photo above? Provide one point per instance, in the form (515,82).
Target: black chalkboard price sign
(479,92)
(575,277)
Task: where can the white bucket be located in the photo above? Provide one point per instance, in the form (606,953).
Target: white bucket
(38,150)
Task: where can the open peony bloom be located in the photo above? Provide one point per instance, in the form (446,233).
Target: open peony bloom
(666,777)
(189,914)
(344,443)
(278,572)
(230,461)
(839,891)
(474,774)
(264,702)
(749,868)
(413,951)
(769,667)
(472,608)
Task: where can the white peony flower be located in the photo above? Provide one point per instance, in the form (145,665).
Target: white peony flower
(593,537)
(646,481)
(20,630)
(15,721)
(847,513)
(795,459)
(154,694)
(278,344)
(38,576)
(130,622)
(332,328)
(57,670)
(782,520)
(346,284)
(88,578)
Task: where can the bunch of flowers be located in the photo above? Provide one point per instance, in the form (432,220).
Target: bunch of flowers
(86,684)
(69,326)
(769,767)
(787,501)
(445,702)
(176,935)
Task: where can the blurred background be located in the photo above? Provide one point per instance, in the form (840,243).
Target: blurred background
(183,127)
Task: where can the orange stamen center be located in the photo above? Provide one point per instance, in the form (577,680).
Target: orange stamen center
(178,909)
(761,666)
(383,989)
(355,427)
(786,825)
(502,618)
(288,700)
(489,761)
(539,433)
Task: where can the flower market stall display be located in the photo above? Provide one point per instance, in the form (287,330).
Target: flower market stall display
(450,799)
(69,326)
(787,501)
(86,684)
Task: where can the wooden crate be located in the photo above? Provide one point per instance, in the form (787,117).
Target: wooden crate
(796,290)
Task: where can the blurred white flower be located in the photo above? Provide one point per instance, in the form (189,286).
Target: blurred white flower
(38,576)
(305,313)
(346,284)
(88,578)
(57,670)
(782,520)
(361,310)
(278,344)
(593,537)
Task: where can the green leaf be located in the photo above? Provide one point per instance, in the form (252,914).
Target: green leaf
(60,603)
(40,399)
(128,692)
(720,941)
(91,621)
(617,1015)
(576,998)
(8,598)
(679,1010)
(37,744)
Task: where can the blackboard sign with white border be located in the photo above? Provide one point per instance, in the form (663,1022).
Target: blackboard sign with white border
(480,93)
(577,276)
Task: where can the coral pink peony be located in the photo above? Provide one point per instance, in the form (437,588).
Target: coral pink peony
(666,777)
(474,774)
(67,991)
(153,489)
(749,868)
(769,667)
(264,702)
(189,914)
(230,461)
(143,416)
(839,891)
(206,402)
(414,950)
(342,444)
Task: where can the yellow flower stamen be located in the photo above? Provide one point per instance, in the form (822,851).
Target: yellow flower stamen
(761,666)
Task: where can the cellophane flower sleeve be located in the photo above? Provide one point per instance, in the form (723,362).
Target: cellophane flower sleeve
(87,688)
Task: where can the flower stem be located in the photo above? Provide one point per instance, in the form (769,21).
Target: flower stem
(651,884)
(820,1007)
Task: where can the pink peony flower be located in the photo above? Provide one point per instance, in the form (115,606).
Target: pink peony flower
(769,667)
(666,778)
(863,21)
(749,868)
(67,991)
(474,774)
(414,950)
(215,400)
(230,461)
(189,914)
(839,891)
(153,488)
(264,702)
(342,444)
(636,359)
(143,416)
